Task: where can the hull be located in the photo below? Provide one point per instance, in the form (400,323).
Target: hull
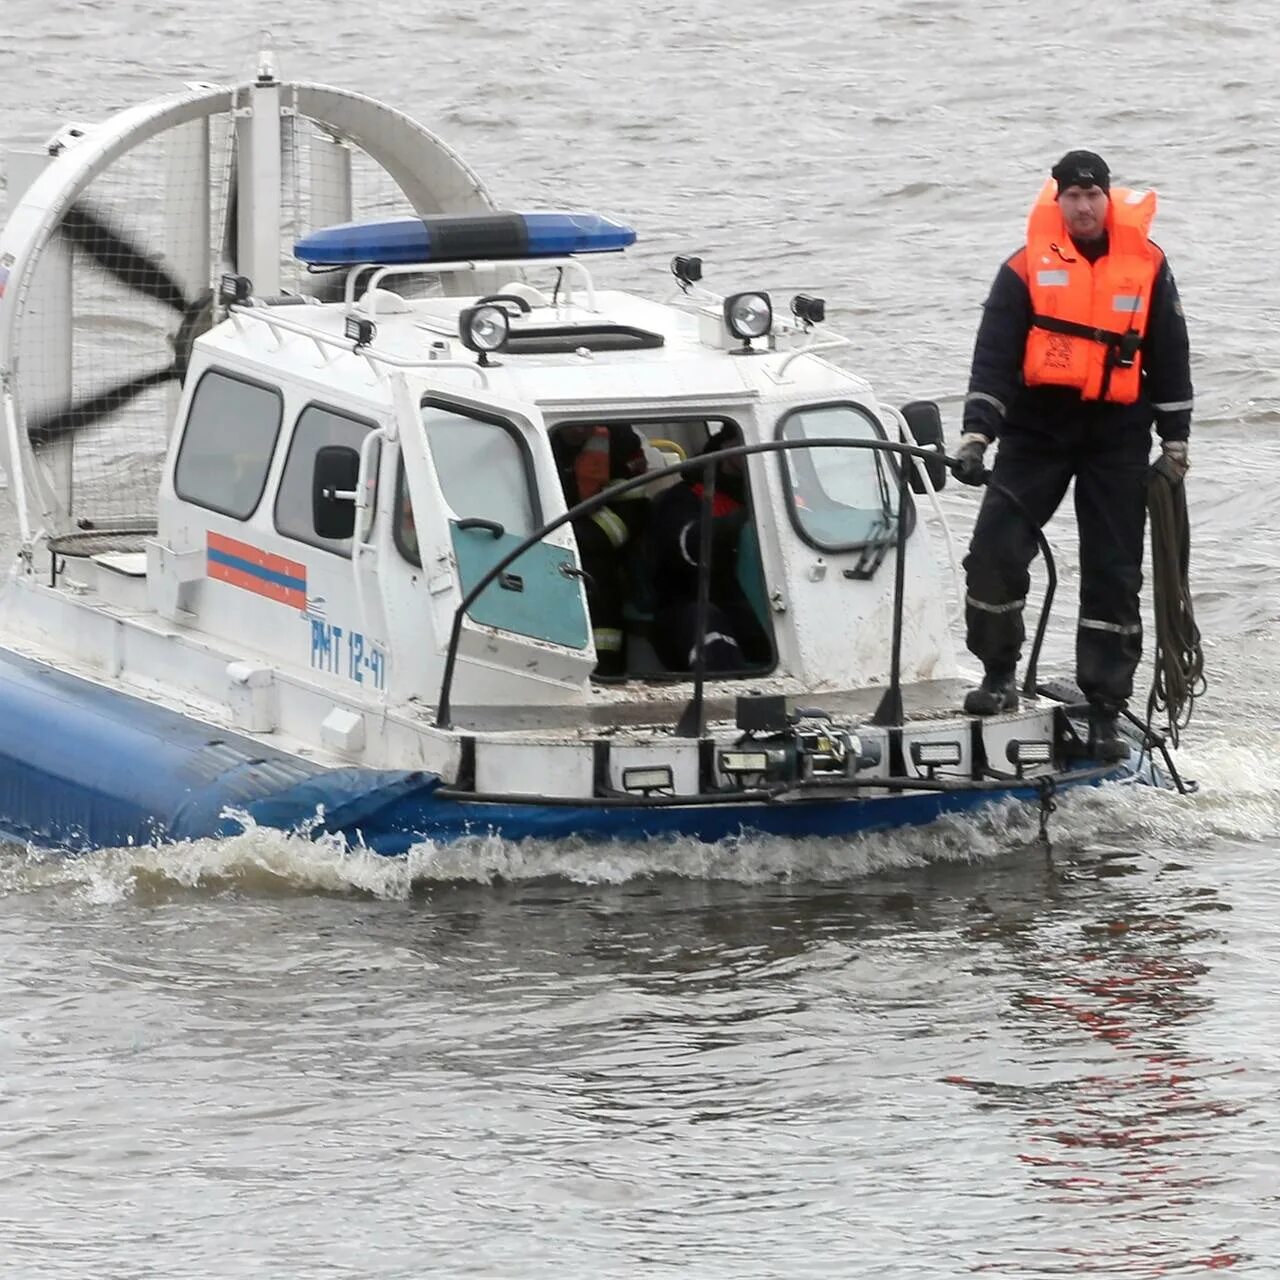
(84,767)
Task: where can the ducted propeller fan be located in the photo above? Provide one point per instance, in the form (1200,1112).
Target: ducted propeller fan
(114,235)
(89,233)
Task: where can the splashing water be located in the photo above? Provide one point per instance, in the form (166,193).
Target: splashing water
(1238,798)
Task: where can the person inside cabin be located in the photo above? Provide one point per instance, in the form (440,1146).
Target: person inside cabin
(591,457)
(735,639)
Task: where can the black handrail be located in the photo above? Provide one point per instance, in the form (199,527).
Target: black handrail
(606,496)
(692,722)
(890,710)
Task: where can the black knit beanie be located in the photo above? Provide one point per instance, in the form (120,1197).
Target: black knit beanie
(1082,169)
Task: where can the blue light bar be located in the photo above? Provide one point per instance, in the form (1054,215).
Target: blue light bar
(459,237)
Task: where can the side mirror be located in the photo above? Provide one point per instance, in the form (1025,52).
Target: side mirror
(925,423)
(333,491)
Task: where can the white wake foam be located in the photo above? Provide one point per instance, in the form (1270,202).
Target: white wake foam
(1239,798)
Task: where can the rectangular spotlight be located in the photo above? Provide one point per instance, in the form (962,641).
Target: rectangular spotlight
(744,761)
(646,779)
(935,755)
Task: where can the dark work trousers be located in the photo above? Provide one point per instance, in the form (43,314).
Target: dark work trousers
(735,639)
(1110,469)
(606,593)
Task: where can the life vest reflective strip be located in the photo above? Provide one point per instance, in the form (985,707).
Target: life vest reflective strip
(1089,319)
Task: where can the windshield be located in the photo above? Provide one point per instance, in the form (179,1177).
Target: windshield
(840,499)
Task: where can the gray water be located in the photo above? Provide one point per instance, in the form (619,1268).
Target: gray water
(937,1054)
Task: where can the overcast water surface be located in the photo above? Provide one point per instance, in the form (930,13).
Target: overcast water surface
(937,1054)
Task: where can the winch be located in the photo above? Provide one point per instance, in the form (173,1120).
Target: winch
(801,745)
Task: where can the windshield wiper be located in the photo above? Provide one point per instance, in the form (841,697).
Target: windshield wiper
(880,537)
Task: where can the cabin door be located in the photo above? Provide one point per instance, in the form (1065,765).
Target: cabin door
(491,471)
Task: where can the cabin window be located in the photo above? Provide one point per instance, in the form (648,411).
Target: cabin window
(227,445)
(840,499)
(316,427)
(483,468)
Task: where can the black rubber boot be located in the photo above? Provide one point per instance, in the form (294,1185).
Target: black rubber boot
(610,664)
(997,692)
(1105,742)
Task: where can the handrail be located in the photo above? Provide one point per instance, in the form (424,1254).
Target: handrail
(360,540)
(811,349)
(890,711)
(382,271)
(443,709)
(322,339)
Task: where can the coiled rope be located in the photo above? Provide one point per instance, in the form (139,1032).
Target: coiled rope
(1178,678)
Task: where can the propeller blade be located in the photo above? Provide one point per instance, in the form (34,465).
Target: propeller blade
(76,417)
(133,268)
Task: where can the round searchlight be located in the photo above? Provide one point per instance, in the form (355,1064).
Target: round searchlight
(748,315)
(484,328)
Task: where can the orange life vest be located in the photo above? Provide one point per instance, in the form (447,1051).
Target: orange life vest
(1089,319)
(591,466)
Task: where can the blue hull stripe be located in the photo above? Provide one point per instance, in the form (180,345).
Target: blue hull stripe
(83,767)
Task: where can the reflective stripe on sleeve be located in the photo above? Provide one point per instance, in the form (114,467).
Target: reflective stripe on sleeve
(684,543)
(1173,406)
(1012,607)
(711,638)
(612,525)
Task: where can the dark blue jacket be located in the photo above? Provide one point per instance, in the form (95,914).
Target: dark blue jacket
(1000,403)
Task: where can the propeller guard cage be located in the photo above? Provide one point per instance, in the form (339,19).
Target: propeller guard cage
(95,316)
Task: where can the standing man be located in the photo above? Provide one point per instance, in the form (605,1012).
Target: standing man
(1081,349)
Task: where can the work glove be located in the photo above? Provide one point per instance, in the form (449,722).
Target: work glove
(968,467)
(1173,462)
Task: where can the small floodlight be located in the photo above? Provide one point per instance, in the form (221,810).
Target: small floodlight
(234,289)
(935,755)
(648,780)
(359,330)
(735,763)
(1026,754)
(808,310)
(686,269)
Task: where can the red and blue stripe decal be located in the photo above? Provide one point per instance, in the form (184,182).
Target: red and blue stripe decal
(253,569)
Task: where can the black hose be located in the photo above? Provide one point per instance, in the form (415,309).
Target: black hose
(1178,677)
